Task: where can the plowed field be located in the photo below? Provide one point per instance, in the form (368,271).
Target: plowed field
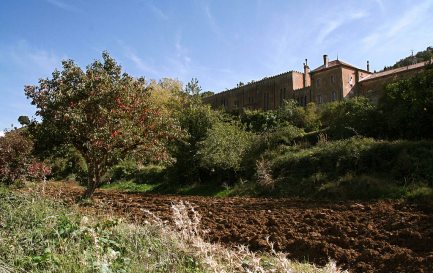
(383,236)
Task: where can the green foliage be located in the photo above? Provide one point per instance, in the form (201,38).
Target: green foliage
(298,116)
(44,236)
(104,113)
(67,163)
(195,119)
(289,114)
(193,88)
(224,148)
(24,120)
(131,170)
(407,107)
(131,186)
(420,56)
(379,166)
(15,155)
(346,118)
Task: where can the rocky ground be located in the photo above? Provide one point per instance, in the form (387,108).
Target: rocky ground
(382,236)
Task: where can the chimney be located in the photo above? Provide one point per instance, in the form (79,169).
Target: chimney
(307,80)
(368,66)
(325,60)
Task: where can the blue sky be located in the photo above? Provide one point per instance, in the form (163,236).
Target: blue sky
(219,42)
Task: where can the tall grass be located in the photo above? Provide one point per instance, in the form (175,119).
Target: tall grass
(41,235)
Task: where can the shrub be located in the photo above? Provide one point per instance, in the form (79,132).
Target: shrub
(400,163)
(15,154)
(356,116)
(290,113)
(195,119)
(224,148)
(407,107)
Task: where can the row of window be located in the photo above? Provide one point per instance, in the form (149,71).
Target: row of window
(320,99)
(318,81)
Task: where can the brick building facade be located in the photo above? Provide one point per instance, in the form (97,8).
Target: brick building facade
(334,80)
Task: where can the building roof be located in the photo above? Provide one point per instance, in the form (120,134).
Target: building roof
(394,71)
(335,63)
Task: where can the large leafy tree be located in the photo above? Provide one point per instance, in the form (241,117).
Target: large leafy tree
(104,113)
(407,107)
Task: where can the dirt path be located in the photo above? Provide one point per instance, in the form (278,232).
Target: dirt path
(384,236)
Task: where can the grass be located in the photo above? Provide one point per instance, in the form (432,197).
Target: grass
(43,235)
(130,186)
(211,189)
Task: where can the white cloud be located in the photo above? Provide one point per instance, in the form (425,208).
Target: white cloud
(2,134)
(138,61)
(158,12)
(31,60)
(62,5)
(380,4)
(337,20)
(401,26)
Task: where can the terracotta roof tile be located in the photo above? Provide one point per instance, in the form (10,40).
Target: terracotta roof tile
(393,71)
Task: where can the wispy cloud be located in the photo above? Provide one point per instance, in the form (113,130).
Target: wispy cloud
(214,26)
(33,60)
(180,62)
(158,12)
(138,61)
(400,26)
(62,5)
(380,4)
(336,21)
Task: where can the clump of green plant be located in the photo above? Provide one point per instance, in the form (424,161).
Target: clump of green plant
(335,169)
(222,151)
(346,118)
(40,235)
(15,155)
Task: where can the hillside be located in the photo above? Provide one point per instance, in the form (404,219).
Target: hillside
(420,56)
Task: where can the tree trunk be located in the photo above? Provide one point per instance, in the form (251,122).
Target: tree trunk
(91,187)
(93,181)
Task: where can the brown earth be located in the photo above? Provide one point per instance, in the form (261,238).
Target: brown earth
(382,236)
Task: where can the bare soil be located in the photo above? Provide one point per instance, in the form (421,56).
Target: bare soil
(380,236)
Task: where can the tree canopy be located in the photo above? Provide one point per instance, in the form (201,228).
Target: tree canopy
(104,113)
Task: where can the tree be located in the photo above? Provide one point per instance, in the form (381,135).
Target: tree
(15,155)
(195,119)
(222,151)
(24,120)
(407,107)
(193,87)
(355,116)
(103,113)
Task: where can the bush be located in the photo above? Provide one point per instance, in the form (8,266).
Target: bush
(224,148)
(400,163)
(407,107)
(356,116)
(195,119)
(67,163)
(15,155)
(290,113)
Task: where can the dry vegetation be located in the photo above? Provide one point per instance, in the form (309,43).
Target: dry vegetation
(39,234)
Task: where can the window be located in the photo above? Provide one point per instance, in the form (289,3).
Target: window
(319,99)
(351,80)
(318,82)
(332,78)
(334,96)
